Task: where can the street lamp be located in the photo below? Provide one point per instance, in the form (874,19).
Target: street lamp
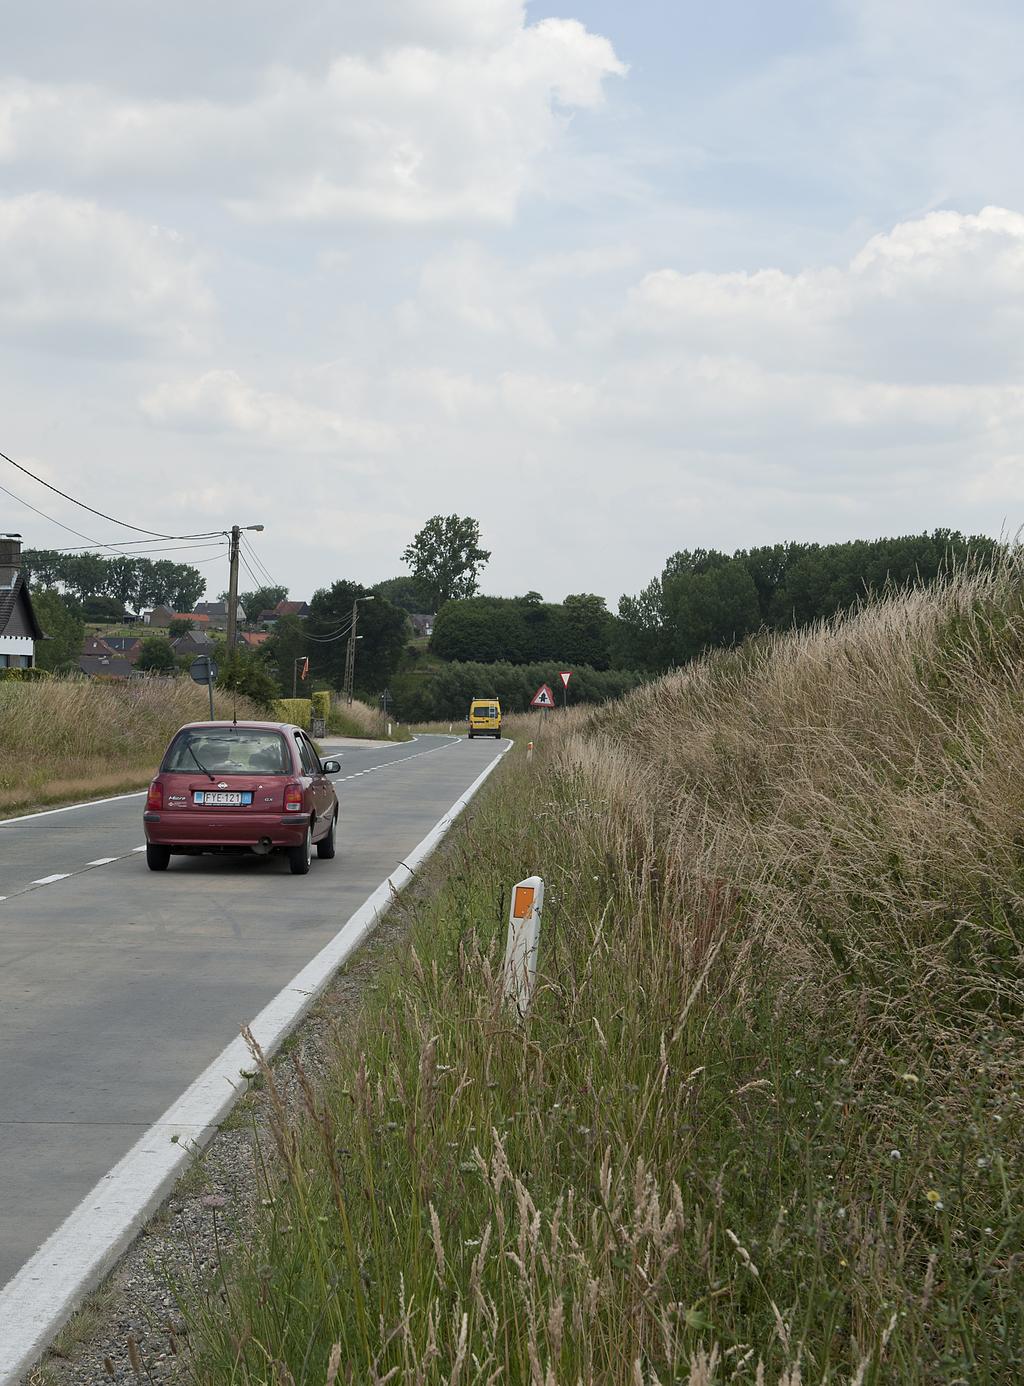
(350,654)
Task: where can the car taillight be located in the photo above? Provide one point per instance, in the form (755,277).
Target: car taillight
(155,797)
(293,798)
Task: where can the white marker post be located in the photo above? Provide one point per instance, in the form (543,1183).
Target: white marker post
(523,936)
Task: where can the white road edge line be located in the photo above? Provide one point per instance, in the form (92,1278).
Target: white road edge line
(70,808)
(45,1292)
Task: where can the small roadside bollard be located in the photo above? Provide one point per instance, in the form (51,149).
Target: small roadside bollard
(389,729)
(529,751)
(523,936)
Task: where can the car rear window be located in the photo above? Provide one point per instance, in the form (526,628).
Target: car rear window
(485,712)
(228,751)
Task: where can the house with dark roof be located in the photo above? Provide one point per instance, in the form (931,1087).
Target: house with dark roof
(267,618)
(105,666)
(127,646)
(19,626)
(195,642)
(96,645)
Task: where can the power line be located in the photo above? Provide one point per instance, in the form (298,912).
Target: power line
(49,518)
(94,544)
(71,550)
(267,578)
(154,534)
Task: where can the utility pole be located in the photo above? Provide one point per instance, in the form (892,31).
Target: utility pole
(350,653)
(235,538)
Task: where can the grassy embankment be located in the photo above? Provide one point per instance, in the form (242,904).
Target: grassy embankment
(359,719)
(764,1121)
(67,739)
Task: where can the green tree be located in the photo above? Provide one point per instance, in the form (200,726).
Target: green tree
(446,558)
(156,656)
(181,625)
(383,626)
(65,629)
(408,593)
(640,639)
(586,637)
(262,599)
(43,567)
(244,671)
(107,609)
(713,607)
(85,574)
(123,580)
(286,644)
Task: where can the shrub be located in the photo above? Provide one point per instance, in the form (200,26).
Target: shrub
(23,675)
(297,711)
(321,701)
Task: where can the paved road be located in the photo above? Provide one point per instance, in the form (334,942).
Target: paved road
(119,985)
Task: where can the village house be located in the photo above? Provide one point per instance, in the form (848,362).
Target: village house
(268,618)
(19,627)
(216,613)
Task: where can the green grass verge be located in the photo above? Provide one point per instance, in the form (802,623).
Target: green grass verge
(763,1123)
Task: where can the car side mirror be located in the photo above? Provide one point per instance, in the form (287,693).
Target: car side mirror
(331,767)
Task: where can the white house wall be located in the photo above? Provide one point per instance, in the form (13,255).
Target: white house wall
(16,645)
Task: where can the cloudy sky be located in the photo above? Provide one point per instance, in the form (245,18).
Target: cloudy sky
(616,279)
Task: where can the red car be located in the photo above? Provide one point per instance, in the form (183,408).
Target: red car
(242,787)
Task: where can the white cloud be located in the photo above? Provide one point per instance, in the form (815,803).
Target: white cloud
(220,401)
(937,299)
(413,135)
(82,277)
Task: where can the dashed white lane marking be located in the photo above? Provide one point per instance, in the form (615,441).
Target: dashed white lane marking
(48,880)
(139,849)
(101,861)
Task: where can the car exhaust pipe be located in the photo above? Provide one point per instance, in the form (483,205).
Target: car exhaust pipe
(263,846)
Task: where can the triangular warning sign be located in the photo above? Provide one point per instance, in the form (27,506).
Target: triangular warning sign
(543,697)
(565,675)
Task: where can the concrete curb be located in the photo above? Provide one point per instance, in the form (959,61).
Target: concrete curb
(45,1292)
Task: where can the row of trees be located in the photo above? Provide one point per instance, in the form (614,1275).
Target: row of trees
(445,692)
(704,598)
(525,630)
(131,583)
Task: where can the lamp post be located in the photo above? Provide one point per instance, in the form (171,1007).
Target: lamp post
(350,654)
(299,659)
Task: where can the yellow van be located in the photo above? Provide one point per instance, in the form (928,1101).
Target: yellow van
(484,717)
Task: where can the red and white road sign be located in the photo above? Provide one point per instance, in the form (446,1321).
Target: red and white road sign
(543,697)
(565,675)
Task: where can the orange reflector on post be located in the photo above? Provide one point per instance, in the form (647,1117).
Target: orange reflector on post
(523,902)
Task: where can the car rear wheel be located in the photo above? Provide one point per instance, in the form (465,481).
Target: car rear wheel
(327,846)
(471,736)
(157,857)
(299,858)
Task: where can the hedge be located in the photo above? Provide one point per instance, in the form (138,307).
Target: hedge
(297,711)
(321,701)
(23,675)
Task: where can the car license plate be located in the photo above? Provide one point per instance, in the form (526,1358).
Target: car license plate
(215,798)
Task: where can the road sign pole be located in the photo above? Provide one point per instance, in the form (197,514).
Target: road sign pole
(209,684)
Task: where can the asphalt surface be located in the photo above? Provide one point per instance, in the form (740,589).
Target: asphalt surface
(118,985)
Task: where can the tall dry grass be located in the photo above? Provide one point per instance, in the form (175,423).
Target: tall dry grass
(62,738)
(763,1122)
(362,720)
